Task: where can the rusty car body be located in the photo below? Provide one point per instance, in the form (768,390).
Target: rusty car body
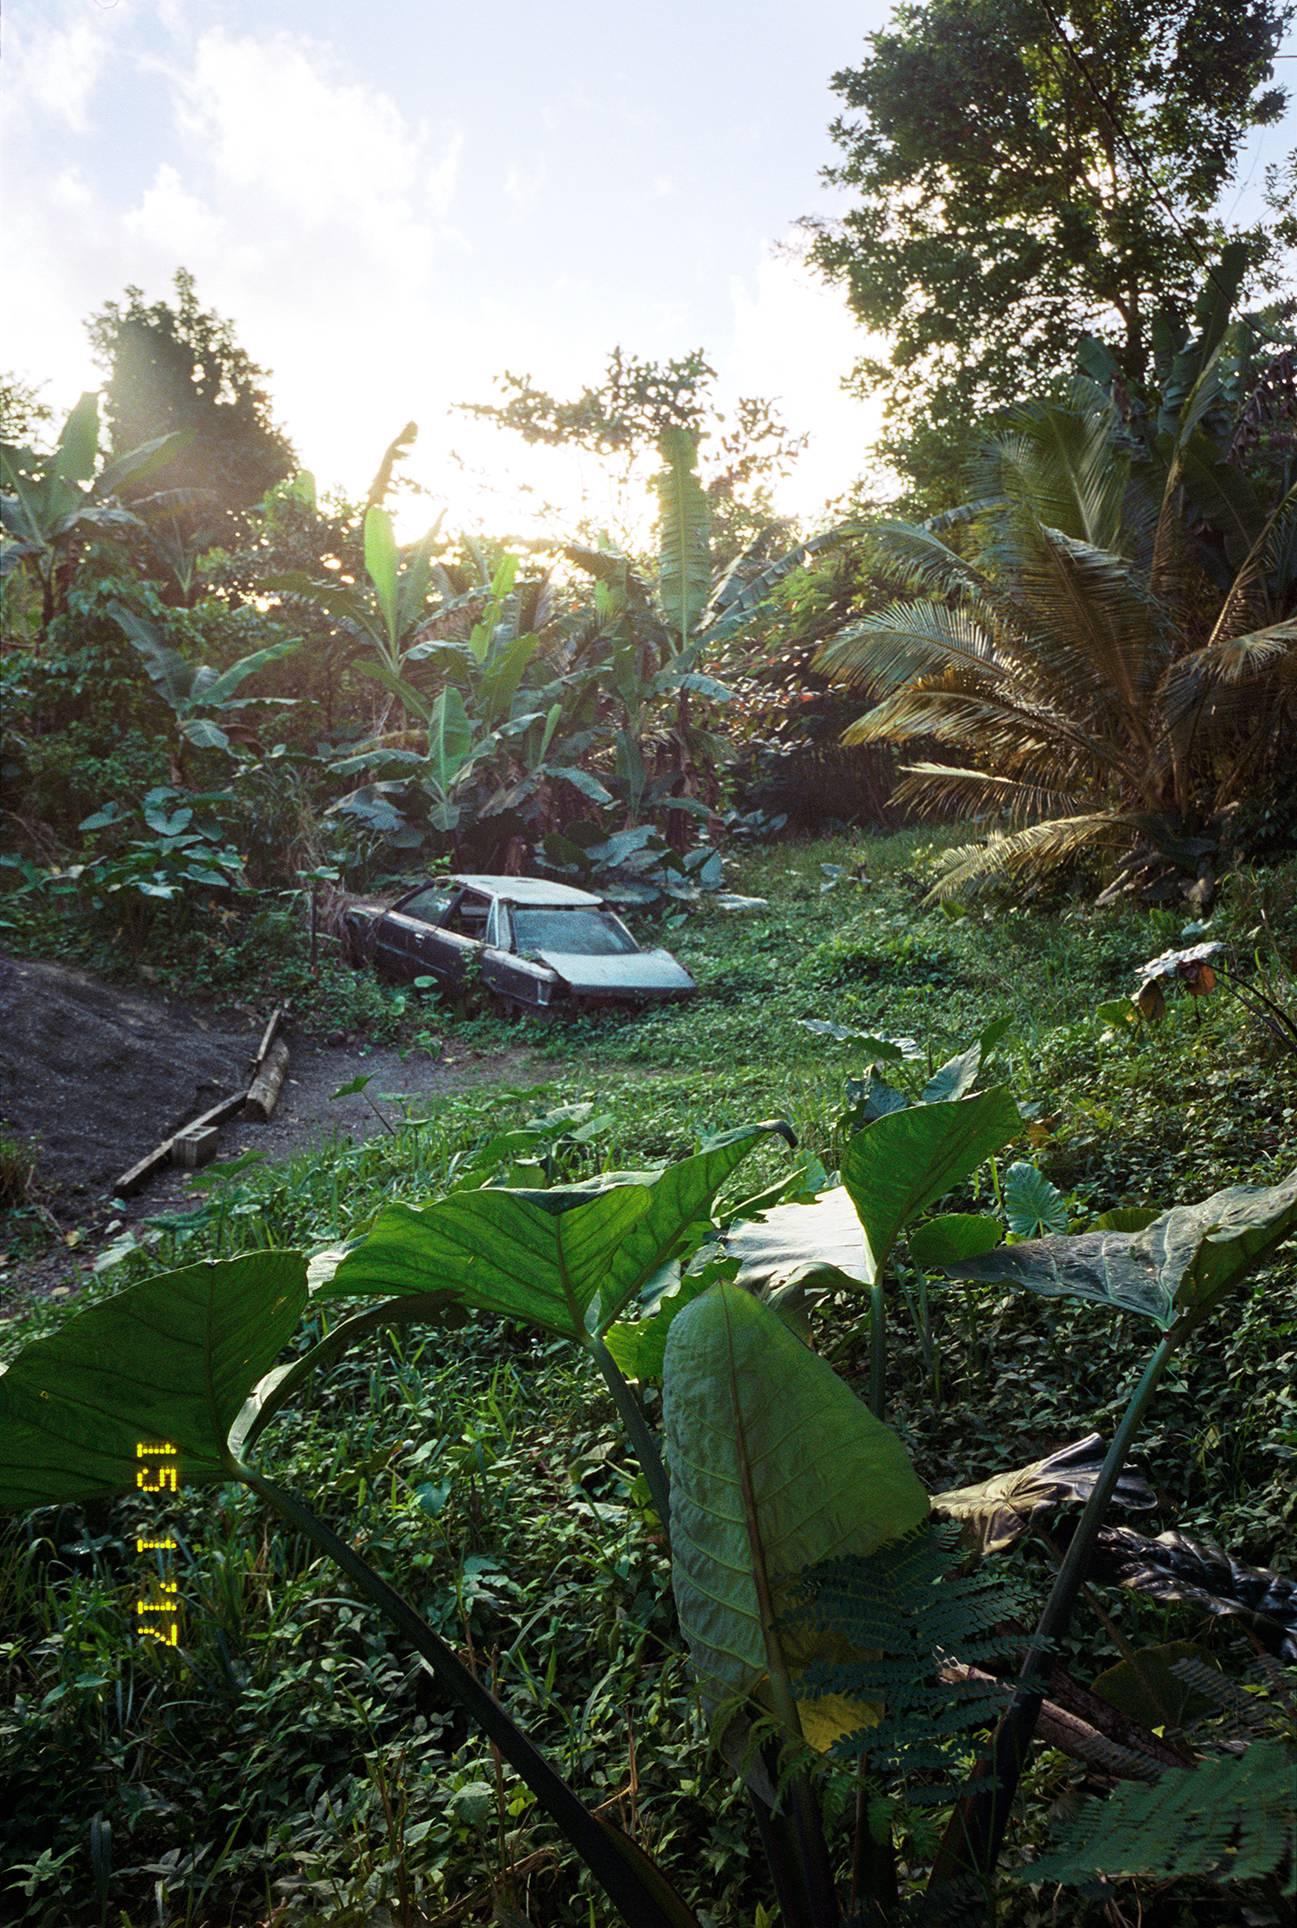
(536,946)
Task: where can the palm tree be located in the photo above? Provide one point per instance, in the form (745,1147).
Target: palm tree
(1107,655)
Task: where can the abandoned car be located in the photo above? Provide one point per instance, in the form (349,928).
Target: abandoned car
(535,945)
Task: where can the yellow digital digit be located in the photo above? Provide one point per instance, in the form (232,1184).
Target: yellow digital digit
(142,1449)
(167,1479)
(158,1606)
(155,1546)
(170,1638)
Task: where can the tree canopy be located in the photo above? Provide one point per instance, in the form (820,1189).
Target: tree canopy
(1023,172)
(177,365)
(625,415)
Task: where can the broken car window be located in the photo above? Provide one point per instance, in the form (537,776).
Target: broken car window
(587,933)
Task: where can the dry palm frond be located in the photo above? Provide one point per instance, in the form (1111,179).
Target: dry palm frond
(1041,846)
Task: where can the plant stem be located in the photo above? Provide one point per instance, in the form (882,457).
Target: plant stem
(638,1431)
(975,1833)
(574,1820)
(877,1350)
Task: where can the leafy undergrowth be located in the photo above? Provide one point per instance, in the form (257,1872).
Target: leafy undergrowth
(289,1762)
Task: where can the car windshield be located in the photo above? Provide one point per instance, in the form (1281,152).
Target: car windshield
(585,933)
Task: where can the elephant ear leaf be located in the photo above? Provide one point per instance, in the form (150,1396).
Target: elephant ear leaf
(1185,1261)
(170,1359)
(775,1466)
(818,1245)
(569,1259)
(904,1162)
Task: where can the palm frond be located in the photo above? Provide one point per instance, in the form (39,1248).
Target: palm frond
(1058,463)
(937,788)
(1275,548)
(1038,847)
(905,640)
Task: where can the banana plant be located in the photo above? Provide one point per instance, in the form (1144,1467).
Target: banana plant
(484,719)
(185,1360)
(50,503)
(194,692)
(662,631)
(386,617)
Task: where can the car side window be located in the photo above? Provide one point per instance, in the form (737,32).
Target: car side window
(429,906)
(469,915)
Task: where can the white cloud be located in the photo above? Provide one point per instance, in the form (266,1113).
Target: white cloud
(55,66)
(173,223)
(276,117)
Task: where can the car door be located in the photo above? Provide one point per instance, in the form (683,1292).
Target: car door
(401,936)
(452,949)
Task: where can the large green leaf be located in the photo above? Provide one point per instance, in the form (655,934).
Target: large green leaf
(450,737)
(74,458)
(1185,1260)
(904,1161)
(338,601)
(1033,1205)
(171,1360)
(684,517)
(222,687)
(568,1259)
(171,674)
(775,1466)
(819,1243)
(139,463)
(954,1235)
(383,568)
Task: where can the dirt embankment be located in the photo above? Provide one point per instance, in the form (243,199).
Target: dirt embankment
(94,1076)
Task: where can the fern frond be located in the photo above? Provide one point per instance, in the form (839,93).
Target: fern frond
(1231,1819)
(902,1616)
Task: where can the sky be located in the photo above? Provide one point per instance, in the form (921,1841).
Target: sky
(395,201)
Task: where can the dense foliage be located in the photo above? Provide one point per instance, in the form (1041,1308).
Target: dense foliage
(485,1469)
(594,1499)
(1020,174)
(1107,657)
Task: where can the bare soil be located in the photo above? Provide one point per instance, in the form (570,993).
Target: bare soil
(94,1075)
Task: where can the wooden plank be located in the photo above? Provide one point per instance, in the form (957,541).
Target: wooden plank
(267,1039)
(130,1181)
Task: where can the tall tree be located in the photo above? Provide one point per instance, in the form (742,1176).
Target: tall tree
(1022,172)
(177,366)
(625,415)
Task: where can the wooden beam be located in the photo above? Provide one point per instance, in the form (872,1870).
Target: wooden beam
(130,1181)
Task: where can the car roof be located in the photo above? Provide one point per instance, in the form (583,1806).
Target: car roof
(529,890)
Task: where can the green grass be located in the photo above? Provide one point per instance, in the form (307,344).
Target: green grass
(290,1758)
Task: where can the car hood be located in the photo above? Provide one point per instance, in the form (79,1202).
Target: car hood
(638,973)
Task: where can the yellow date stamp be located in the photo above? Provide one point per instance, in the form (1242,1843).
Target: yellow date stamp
(157,1606)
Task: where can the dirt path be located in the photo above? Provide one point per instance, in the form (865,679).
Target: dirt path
(94,1076)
